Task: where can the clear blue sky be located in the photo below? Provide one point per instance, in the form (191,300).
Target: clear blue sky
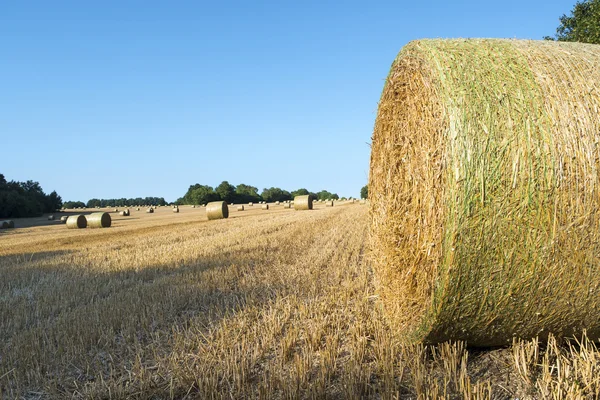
(113,99)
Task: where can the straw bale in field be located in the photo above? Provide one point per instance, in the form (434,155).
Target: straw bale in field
(99,220)
(303,202)
(484,191)
(217,210)
(76,222)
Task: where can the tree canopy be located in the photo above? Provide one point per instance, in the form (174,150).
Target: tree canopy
(25,199)
(364,192)
(243,193)
(583,25)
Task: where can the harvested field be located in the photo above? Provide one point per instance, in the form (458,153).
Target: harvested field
(275,304)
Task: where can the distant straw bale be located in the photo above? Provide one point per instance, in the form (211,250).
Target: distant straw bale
(217,210)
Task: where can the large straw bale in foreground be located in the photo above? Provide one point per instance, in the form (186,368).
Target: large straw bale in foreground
(99,220)
(76,222)
(217,210)
(303,202)
(485,190)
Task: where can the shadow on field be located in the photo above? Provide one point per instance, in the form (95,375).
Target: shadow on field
(75,308)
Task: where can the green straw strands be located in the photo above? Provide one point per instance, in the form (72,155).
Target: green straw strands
(99,220)
(303,202)
(76,222)
(484,191)
(217,210)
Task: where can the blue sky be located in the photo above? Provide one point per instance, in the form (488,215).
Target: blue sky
(139,98)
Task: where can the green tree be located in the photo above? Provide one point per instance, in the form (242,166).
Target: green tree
(275,194)
(364,192)
(300,192)
(226,191)
(583,25)
(246,193)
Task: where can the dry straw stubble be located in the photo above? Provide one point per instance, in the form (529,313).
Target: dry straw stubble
(484,225)
(217,210)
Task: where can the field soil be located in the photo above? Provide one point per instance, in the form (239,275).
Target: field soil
(274,304)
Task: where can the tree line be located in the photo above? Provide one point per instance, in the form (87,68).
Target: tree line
(242,193)
(25,199)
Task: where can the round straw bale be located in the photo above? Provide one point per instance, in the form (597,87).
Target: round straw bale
(76,222)
(11,223)
(116,210)
(329,203)
(303,202)
(250,204)
(276,203)
(50,217)
(217,210)
(265,207)
(99,220)
(175,209)
(193,206)
(64,218)
(3,224)
(137,209)
(483,190)
(150,210)
(240,208)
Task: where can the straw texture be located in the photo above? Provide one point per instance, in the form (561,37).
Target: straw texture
(484,190)
(303,202)
(99,220)
(217,210)
(76,221)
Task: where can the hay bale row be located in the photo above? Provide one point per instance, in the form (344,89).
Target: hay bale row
(303,202)
(99,220)
(217,210)
(76,221)
(483,190)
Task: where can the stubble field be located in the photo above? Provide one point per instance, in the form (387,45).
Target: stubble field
(266,304)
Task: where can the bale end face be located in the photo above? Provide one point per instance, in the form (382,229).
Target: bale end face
(76,222)
(217,210)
